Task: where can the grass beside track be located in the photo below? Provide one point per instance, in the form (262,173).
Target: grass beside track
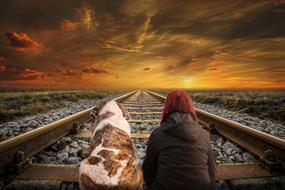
(18,104)
(265,104)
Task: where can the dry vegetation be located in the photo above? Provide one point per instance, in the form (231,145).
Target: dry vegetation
(17,104)
(264,104)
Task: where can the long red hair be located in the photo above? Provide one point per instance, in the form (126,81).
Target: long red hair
(178,101)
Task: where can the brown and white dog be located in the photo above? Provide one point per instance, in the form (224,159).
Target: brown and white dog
(112,163)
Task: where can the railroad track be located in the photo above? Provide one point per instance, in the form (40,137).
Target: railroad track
(144,108)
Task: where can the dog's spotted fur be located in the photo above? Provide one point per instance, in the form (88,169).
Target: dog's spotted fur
(112,163)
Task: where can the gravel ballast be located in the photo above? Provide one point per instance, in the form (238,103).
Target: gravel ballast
(266,126)
(28,123)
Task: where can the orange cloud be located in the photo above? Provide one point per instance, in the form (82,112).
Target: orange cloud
(22,42)
(92,70)
(67,73)
(68,25)
(70,73)
(29,74)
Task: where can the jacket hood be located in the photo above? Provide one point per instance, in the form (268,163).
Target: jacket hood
(182,126)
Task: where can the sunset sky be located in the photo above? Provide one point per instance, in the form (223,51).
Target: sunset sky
(74,44)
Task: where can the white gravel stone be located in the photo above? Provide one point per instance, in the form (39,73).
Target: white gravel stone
(74,144)
(62,156)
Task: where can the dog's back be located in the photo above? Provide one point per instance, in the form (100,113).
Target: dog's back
(112,163)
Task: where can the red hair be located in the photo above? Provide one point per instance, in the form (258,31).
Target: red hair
(178,101)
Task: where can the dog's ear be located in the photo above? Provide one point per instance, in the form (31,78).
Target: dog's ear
(96,110)
(125,112)
(94,114)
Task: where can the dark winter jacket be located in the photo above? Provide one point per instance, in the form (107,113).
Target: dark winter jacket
(179,156)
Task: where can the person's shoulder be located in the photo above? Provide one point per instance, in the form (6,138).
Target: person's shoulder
(156,134)
(156,131)
(205,136)
(154,137)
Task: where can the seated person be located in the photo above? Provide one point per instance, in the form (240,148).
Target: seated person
(179,153)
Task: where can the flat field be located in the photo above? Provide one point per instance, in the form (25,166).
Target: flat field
(264,104)
(18,104)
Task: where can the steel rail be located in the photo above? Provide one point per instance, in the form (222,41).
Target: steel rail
(257,142)
(31,142)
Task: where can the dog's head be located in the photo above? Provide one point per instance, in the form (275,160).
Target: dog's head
(108,108)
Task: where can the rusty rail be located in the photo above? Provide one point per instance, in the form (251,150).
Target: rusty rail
(30,143)
(257,142)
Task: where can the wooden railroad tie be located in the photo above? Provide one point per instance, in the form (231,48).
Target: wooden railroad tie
(69,173)
(88,134)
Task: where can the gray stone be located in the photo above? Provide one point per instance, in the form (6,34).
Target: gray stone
(29,129)
(73,152)
(269,183)
(247,157)
(50,153)
(73,160)
(45,159)
(62,156)
(85,146)
(68,140)
(74,144)
(54,147)
(33,123)
(230,148)
(220,142)
(33,184)
(238,157)
(141,153)
(82,141)
(60,145)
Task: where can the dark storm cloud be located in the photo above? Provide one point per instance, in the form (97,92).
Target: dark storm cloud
(263,24)
(223,19)
(33,15)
